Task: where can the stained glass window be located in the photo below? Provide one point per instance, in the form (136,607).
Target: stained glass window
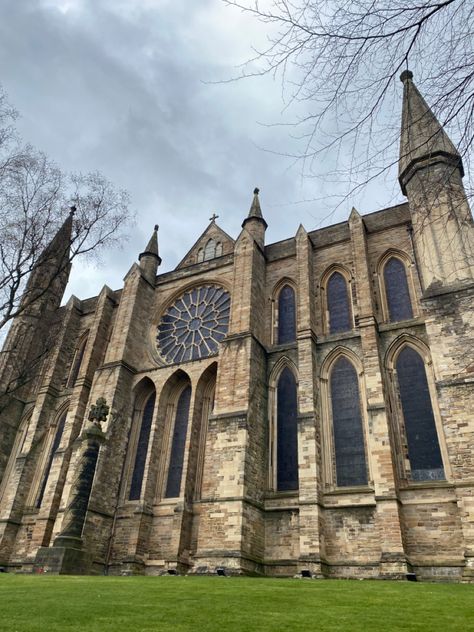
(338,304)
(175,470)
(349,447)
(423,446)
(396,290)
(194,325)
(287,432)
(142,448)
(286,315)
(57,440)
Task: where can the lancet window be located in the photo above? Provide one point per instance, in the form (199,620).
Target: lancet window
(348,433)
(49,462)
(178,443)
(142,447)
(338,304)
(397,293)
(286,432)
(286,331)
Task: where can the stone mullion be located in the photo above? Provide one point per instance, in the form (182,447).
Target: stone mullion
(382,467)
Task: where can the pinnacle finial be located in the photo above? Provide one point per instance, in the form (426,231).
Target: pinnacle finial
(156,228)
(72,210)
(256,191)
(406,76)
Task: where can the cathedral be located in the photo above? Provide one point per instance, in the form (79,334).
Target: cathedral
(298,408)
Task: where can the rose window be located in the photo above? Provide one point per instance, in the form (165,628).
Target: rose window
(194,325)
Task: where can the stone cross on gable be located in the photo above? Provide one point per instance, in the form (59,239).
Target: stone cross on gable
(213,218)
(99,411)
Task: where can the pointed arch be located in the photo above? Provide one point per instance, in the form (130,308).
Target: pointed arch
(396,285)
(144,398)
(174,412)
(16,450)
(52,444)
(419,441)
(219,249)
(203,408)
(283,426)
(77,359)
(336,299)
(344,416)
(284,311)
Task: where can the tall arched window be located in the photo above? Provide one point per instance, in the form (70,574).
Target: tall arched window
(77,361)
(218,249)
(339,311)
(349,445)
(286,315)
(178,443)
(142,448)
(396,290)
(49,462)
(287,433)
(16,451)
(422,438)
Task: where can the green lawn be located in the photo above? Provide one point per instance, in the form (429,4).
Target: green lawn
(133,604)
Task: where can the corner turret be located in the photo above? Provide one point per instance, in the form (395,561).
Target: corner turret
(150,259)
(254,222)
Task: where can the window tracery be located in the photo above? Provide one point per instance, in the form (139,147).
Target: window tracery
(194,325)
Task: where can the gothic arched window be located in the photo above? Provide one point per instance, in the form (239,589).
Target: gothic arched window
(58,433)
(338,305)
(218,249)
(396,290)
(349,448)
(286,315)
(178,443)
(287,433)
(420,429)
(142,448)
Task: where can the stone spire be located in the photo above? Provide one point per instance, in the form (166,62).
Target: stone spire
(255,212)
(51,273)
(150,259)
(423,140)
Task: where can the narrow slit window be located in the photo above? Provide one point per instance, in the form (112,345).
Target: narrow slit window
(396,290)
(175,471)
(349,448)
(424,453)
(142,448)
(339,310)
(287,432)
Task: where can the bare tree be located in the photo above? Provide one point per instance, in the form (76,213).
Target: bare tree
(35,198)
(339,63)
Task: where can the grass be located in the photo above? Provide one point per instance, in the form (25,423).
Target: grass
(102,604)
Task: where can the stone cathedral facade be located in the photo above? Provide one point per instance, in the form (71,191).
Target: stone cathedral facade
(299,407)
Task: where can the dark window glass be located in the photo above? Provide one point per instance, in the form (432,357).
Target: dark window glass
(175,471)
(351,468)
(423,446)
(287,441)
(142,449)
(338,304)
(396,290)
(57,440)
(286,315)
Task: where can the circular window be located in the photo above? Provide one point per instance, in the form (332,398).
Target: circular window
(194,325)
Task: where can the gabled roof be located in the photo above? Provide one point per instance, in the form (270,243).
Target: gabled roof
(213,231)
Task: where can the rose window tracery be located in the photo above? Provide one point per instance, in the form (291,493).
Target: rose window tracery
(194,325)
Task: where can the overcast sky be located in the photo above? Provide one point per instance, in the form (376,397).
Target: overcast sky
(127,87)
